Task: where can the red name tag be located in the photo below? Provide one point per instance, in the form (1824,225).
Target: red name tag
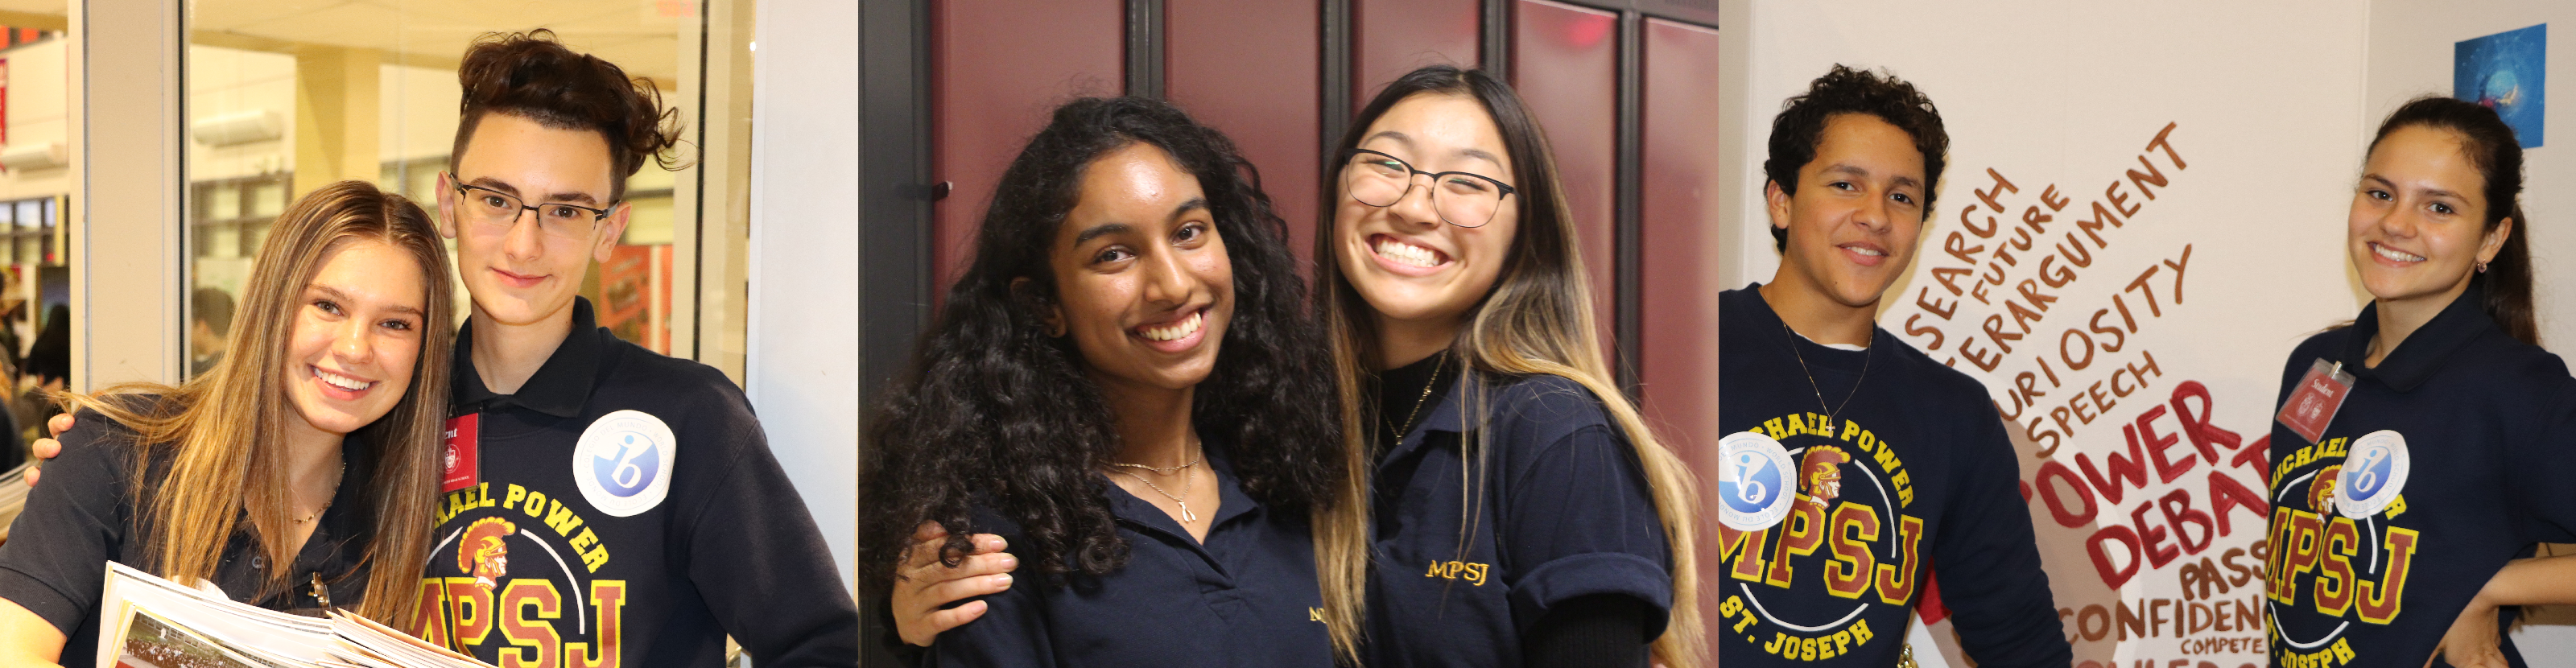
(2313,405)
(461,443)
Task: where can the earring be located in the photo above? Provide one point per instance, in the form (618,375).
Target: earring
(2482,267)
(1057,330)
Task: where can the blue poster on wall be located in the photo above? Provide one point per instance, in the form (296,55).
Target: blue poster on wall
(2506,71)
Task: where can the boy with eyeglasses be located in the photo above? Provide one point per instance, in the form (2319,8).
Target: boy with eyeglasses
(603,505)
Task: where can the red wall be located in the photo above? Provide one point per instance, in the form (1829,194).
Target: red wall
(1247,69)
(998,67)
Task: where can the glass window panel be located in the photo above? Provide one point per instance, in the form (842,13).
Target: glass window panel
(223,203)
(286,99)
(266,200)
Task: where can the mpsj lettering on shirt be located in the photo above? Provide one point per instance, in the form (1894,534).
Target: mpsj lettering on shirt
(1853,539)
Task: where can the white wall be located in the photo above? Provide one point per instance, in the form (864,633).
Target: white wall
(2275,101)
(2266,102)
(2410,55)
(802,368)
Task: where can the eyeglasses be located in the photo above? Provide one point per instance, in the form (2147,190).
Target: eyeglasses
(1463,199)
(501,210)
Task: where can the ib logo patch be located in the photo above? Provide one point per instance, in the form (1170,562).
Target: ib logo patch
(623,462)
(2374,472)
(1754,484)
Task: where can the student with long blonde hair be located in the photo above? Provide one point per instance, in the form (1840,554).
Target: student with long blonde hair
(1521,512)
(298,474)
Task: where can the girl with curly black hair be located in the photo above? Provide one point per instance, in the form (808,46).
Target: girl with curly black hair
(1122,384)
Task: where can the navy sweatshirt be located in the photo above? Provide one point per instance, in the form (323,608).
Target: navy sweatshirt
(2378,543)
(1914,471)
(623,510)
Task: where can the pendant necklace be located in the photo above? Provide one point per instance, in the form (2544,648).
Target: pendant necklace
(1189,475)
(1400,429)
(326,503)
(1835,411)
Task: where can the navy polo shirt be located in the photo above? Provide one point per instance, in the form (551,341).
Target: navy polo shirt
(2487,423)
(95,507)
(1245,597)
(1480,529)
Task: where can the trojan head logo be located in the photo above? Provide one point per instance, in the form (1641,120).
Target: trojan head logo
(483,552)
(2321,492)
(1821,474)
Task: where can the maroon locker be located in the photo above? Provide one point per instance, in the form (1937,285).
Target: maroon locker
(1678,223)
(1392,37)
(1249,71)
(1565,64)
(997,68)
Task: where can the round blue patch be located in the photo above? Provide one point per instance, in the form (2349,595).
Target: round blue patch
(1753,481)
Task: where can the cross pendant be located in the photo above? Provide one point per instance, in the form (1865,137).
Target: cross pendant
(1186,515)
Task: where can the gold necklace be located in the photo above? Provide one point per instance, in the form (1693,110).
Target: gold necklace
(326,503)
(1833,412)
(1194,461)
(1407,426)
(1188,476)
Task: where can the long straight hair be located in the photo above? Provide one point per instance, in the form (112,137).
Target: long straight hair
(228,455)
(1537,321)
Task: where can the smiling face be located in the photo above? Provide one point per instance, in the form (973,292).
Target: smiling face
(1857,214)
(1408,264)
(1143,285)
(2418,226)
(519,274)
(356,334)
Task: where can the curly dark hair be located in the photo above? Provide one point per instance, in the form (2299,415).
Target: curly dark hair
(1800,127)
(532,76)
(995,412)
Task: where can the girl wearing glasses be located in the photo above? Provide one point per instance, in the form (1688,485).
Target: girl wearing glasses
(1522,513)
(1122,385)
(1513,508)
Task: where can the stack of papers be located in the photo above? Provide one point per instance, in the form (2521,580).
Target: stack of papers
(155,623)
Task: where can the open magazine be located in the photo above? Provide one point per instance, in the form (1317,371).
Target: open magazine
(149,622)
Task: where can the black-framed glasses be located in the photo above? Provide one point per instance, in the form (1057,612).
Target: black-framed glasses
(1464,199)
(501,210)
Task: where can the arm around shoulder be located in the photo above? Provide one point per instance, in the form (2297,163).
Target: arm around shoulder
(26,640)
